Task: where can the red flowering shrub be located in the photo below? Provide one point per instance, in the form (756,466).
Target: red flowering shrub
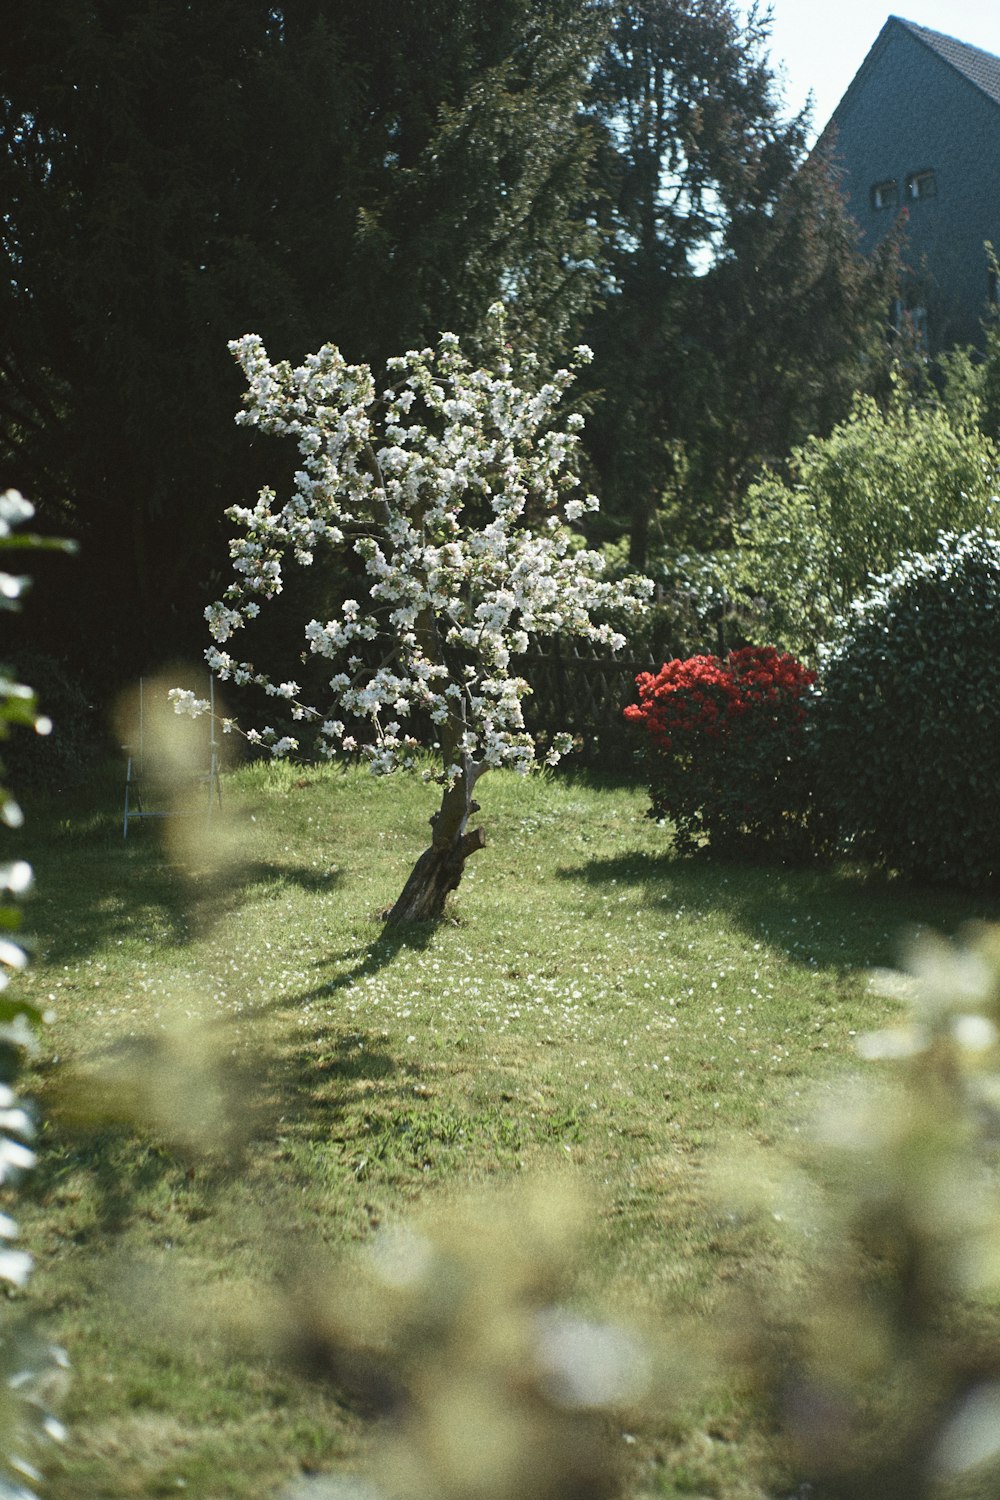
(724,749)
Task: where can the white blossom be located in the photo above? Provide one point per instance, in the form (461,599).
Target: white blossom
(403,482)
(187,703)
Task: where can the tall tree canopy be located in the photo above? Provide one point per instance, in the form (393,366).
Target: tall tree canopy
(175,173)
(740,310)
(783,331)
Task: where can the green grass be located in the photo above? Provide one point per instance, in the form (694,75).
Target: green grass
(595,1005)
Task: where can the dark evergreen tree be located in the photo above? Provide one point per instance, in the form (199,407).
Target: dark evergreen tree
(740,311)
(692,133)
(174,174)
(785,328)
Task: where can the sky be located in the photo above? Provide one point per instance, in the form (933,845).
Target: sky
(821,44)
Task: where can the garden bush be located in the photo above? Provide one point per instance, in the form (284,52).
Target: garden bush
(882,485)
(908,726)
(724,750)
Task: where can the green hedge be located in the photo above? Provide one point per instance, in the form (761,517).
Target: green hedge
(907,729)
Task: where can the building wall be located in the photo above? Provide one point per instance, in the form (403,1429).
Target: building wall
(908,111)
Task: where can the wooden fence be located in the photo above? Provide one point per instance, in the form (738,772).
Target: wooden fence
(582,688)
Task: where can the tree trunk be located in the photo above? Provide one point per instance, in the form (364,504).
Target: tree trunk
(439,869)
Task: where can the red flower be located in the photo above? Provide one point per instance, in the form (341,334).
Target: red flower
(722,733)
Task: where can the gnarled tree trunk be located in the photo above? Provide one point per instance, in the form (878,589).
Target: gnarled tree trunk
(439,869)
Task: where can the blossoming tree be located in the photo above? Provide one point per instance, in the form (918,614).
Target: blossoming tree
(456,488)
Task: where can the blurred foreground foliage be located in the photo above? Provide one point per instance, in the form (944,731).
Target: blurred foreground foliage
(880,1366)
(31,1371)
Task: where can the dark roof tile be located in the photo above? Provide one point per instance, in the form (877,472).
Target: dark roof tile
(980,68)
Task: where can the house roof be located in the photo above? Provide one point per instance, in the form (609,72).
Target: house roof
(979,67)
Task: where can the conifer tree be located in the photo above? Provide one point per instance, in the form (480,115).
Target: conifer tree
(172,174)
(741,311)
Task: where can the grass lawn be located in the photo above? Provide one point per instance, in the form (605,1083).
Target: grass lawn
(596,1007)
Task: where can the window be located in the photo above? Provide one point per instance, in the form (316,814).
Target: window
(920,185)
(885,194)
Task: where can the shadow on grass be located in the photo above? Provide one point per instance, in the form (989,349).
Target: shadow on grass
(308,1088)
(88,905)
(839,916)
(123,1171)
(370,959)
(624,774)
(127,1164)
